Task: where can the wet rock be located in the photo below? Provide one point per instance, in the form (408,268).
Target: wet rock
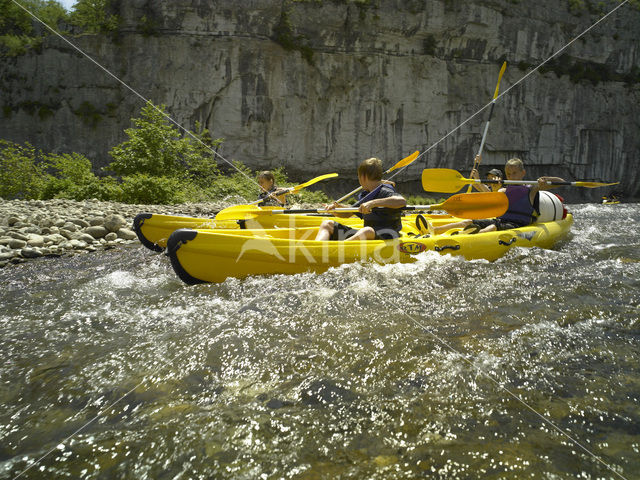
(5,256)
(79,244)
(29,252)
(85,237)
(114,222)
(46,222)
(55,238)
(79,222)
(16,243)
(96,231)
(127,234)
(18,236)
(35,240)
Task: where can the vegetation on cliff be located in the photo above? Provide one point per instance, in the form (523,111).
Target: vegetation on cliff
(155,165)
(20,31)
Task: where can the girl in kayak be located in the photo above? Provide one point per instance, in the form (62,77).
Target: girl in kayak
(380,208)
(521,204)
(269,194)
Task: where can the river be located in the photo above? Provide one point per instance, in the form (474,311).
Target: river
(527,367)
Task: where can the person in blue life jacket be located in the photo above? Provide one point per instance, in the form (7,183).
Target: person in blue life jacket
(269,194)
(379,206)
(522,199)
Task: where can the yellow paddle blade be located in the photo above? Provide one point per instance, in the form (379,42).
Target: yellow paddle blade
(404,162)
(312,181)
(241,211)
(502,69)
(443,180)
(475,205)
(593,184)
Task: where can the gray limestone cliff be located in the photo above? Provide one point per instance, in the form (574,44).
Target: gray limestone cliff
(318,86)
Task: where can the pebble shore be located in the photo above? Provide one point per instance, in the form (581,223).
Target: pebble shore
(53,228)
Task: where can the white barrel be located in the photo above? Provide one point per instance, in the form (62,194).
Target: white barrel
(549,207)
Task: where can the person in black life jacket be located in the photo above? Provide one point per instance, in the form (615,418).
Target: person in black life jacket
(380,208)
(269,194)
(521,204)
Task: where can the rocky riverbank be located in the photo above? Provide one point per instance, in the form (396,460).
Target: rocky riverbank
(53,228)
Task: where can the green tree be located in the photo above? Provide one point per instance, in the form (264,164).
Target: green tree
(156,148)
(21,175)
(94,16)
(17,33)
(68,175)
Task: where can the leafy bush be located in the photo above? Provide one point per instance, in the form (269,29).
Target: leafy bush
(156,148)
(94,16)
(17,34)
(21,175)
(105,189)
(143,188)
(66,173)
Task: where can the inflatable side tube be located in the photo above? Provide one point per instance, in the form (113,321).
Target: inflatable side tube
(176,240)
(137,227)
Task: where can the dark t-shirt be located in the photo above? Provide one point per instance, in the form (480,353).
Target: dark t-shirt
(382,217)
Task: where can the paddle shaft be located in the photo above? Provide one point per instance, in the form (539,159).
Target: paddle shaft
(446,180)
(296,189)
(351,209)
(527,182)
(476,161)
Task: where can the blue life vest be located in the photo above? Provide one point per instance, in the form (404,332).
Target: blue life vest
(520,210)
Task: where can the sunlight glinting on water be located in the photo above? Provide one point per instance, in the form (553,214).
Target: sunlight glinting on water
(373,371)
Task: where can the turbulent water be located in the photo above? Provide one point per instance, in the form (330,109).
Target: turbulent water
(527,367)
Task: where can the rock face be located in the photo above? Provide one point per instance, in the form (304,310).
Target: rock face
(318,86)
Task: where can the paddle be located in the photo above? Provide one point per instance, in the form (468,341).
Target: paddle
(230,212)
(476,160)
(402,163)
(297,188)
(463,205)
(446,180)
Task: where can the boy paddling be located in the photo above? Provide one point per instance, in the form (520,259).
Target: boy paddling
(382,223)
(521,201)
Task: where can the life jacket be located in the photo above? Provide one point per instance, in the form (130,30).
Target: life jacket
(382,217)
(268,201)
(520,210)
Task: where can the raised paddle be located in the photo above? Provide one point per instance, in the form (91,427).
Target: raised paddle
(230,212)
(402,163)
(476,160)
(463,205)
(446,180)
(297,188)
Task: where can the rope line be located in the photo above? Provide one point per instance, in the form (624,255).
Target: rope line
(135,92)
(470,362)
(527,75)
(413,319)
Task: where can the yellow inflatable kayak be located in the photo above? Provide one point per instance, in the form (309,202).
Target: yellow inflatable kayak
(154,230)
(200,256)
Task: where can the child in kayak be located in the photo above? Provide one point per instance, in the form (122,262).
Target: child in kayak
(379,204)
(269,194)
(494,174)
(521,204)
